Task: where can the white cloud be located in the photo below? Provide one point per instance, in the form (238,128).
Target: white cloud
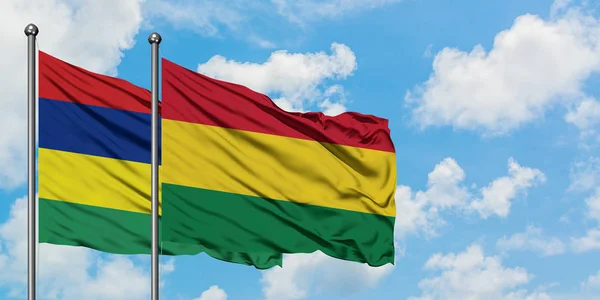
(591,241)
(334,100)
(75,31)
(118,278)
(203,16)
(592,283)
(471,275)
(331,108)
(588,290)
(532,67)
(586,115)
(585,175)
(262,42)
(533,240)
(213,293)
(414,214)
(559,6)
(309,10)
(593,205)
(294,80)
(167,267)
(446,191)
(498,194)
(421,211)
(66,272)
(427,52)
(317,273)
(443,185)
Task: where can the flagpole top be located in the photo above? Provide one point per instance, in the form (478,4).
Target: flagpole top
(154,38)
(31,29)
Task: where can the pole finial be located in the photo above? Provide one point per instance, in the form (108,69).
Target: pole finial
(31,29)
(154,38)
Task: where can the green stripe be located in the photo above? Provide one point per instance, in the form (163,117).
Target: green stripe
(245,223)
(123,232)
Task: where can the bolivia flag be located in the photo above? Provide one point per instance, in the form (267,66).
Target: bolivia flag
(239,173)
(94,165)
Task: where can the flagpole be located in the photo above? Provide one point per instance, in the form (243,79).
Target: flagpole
(154,39)
(31,31)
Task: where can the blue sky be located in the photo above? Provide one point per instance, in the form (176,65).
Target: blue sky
(493,110)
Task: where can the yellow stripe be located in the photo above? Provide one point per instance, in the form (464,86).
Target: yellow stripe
(276,167)
(94,180)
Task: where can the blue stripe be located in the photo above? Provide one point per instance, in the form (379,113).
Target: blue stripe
(94,130)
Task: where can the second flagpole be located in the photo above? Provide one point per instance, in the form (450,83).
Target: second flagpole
(154,39)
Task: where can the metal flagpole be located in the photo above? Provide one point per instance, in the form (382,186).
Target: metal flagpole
(31,31)
(154,39)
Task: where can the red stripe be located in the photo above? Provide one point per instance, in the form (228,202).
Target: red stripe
(62,81)
(195,98)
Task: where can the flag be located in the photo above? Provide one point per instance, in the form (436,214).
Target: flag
(240,173)
(94,165)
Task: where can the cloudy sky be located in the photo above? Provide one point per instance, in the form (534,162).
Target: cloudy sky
(493,106)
